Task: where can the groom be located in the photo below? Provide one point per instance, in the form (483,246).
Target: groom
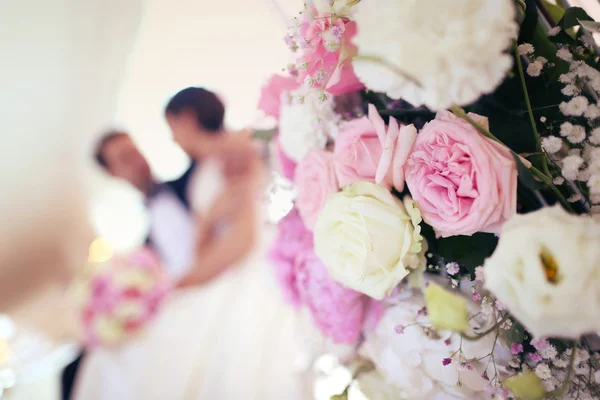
(171,221)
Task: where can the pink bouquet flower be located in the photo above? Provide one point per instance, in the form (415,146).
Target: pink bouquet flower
(291,238)
(271,93)
(120,296)
(326,54)
(357,152)
(340,313)
(462,181)
(396,142)
(315,180)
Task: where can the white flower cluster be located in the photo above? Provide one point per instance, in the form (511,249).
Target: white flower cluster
(458,66)
(306,122)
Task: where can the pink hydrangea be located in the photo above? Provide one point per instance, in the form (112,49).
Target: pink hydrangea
(291,239)
(340,313)
(271,93)
(326,54)
(315,180)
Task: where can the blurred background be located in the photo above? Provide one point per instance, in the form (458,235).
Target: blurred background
(72,70)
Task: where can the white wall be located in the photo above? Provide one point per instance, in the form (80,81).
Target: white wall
(229,46)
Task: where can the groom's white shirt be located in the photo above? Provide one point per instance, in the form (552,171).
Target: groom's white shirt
(172,231)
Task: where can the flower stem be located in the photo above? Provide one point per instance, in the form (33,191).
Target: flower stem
(536,134)
(544,178)
(459,112)
(492,329)
(560,392)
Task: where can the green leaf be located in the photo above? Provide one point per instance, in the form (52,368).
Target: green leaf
(525,175)
(529,21)
(555,11)
(468,251)
(526,386)
(446,310)
(572,17)
(516,334)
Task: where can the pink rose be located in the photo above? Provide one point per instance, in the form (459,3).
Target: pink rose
(290,240)
(315,180)
(357,152)
(462,181)
(339,313)
(327,51)
(270,96)
(286,165)
(396,142)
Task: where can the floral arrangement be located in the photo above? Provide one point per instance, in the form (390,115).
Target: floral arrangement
(446,159)
(118,297)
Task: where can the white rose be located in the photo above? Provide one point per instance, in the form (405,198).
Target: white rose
(368,239)
(546,271)
(305,123)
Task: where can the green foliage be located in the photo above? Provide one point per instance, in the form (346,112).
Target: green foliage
(525,176)
(468,251)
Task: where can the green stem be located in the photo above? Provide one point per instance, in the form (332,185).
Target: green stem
(492,329)
(536,134)
(459,112)
(560,392)
(544,178)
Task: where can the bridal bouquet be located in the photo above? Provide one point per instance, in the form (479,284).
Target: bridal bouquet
(118,297)
(446,160)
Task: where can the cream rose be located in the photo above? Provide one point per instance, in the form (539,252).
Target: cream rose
(368,239)
(546,271)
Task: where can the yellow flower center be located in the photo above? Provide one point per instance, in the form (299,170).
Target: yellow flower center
(550,266)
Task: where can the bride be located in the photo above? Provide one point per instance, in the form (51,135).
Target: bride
(225,332)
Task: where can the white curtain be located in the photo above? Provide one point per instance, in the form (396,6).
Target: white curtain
(62,62)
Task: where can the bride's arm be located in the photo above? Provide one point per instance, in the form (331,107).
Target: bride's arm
(216,253)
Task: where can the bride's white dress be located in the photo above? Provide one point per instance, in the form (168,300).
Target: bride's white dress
(232,338)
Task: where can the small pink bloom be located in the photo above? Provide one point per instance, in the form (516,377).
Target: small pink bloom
(476,297)
(540,344)
(396,142)
(357,152)
(535,357)
(331,52)
(468,367)
(399,329)
(516,348)
(270,96)
(446,361)
(462,181)
(315,180)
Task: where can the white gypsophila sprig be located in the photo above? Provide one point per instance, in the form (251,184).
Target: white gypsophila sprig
(552,144)
(575,107)
(458,66)
(534,69)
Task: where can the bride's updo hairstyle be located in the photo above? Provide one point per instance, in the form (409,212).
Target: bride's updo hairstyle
(204,104)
